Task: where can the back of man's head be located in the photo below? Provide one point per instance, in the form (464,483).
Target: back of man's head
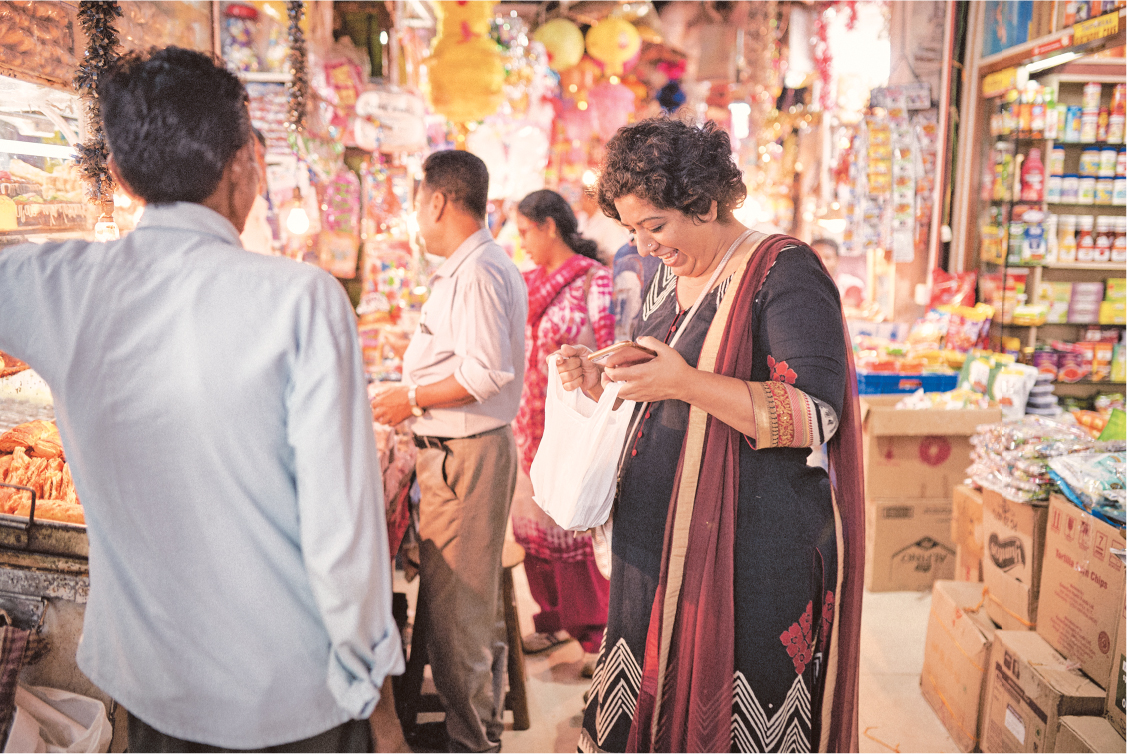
(173,118)
(461,177)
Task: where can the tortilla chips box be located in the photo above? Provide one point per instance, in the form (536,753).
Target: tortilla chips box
(1082,591)
(1087,734)
(967,532)
(1014,537)
(1030,687)
(956,649)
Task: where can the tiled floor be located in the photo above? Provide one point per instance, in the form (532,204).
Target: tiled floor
(893,714)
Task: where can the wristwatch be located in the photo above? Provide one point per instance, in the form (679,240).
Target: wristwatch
(415,409)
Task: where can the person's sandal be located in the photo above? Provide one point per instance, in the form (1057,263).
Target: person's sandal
(536,643)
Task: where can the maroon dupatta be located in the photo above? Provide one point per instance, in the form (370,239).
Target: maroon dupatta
(685,700)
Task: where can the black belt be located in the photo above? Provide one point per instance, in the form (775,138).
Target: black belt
(439,443)
(434,443)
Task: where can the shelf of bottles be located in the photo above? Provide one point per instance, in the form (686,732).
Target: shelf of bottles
(1052,218)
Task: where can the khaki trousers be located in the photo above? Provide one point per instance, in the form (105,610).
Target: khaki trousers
(467,487)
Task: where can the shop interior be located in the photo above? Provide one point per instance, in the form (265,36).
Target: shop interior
(965,159)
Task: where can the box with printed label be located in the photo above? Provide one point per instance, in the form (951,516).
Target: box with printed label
(1014,536)
(1114,702)
(967,532)
(1030,687)
(922,453)
(1082,590)
(956,649)
(1087,735)
(908,544)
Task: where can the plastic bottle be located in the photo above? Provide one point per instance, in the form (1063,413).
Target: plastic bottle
(1086,244)
(1069,186)
(1033,177)
(1102,240)
(1089,163)
(1025,110)
(1051,233)
(1119,252)
(1107,166)
(1053,189)
(1103,191)
(1034,238)
(1067,239)
(1037,114)
(1102,125)
(1086,190)
(1056,165)
(1116,115)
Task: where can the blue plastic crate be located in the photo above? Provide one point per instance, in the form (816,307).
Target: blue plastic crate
(879,383)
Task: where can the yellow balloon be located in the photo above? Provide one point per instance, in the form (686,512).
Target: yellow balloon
(613,41)
(564,42)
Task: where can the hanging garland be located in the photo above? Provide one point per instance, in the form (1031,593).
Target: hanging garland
(97,20)
(299,82)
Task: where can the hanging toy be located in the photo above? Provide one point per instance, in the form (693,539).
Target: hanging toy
(563,41)
(466,70)
(613,41)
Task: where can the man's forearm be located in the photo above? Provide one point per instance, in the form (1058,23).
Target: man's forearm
(446,393)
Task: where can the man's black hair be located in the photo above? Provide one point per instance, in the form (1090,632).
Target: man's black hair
(461,177)
(830,243)
(174,118)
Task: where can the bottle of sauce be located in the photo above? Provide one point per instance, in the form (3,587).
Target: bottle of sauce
(1086,243)
(1033,177)
(1103,239)
(1119,252)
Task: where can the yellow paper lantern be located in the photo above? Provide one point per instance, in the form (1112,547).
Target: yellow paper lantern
(613,41)
(563,41)
(465,68)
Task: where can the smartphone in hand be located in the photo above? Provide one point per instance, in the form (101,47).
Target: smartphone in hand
(623,354)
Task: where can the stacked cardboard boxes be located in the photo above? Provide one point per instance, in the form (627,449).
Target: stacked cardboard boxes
(1014,536)
(1054,680)
(913,460)
(967,532)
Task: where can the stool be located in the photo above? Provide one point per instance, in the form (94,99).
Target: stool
(410,700)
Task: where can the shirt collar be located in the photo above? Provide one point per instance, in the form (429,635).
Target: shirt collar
(464,250)
(190,216)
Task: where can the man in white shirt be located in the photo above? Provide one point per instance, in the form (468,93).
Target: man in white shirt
(213,408)
(463,373)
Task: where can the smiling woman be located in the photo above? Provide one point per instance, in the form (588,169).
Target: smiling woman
(735,580)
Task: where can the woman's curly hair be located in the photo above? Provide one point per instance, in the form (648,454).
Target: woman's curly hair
(672,165)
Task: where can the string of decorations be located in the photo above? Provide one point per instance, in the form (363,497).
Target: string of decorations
(298,87)
(97,20)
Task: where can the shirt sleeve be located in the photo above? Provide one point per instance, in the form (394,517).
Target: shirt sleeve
(481,320)
(344,537)
(789,418)
(21,295)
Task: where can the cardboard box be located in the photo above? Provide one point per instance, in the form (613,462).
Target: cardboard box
(1087,734)
(1082,590)
(1014,536)
(1114,702)
(916,453)
(1030,687)
(967,532)
(956,649)
(908,544)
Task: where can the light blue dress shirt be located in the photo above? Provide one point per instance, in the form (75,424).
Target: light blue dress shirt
(473,327)
(212,407)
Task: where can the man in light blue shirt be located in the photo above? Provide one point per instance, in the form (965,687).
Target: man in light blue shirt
(213,410)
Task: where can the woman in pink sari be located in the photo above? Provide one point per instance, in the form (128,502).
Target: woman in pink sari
(569,302)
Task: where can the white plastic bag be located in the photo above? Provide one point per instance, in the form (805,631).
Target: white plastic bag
(50,720)
(575,468)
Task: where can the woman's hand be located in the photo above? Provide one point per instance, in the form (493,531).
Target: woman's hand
(665,377)
(578,371)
